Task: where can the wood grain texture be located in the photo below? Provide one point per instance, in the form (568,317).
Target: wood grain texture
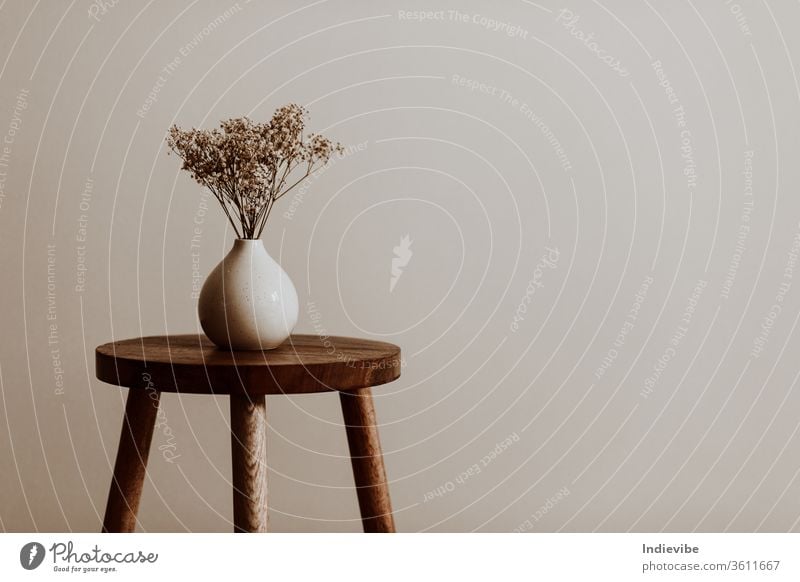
(249,460)
(141,409)
(191,364)
(367,459)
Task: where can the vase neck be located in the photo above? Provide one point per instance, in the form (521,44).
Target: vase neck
(248,242)
(248,247)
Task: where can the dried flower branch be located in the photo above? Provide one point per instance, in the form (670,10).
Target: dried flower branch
(247,165)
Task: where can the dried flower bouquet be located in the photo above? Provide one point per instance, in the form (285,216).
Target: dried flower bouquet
(248,166)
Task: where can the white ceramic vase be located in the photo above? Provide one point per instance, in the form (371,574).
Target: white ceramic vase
(248,301)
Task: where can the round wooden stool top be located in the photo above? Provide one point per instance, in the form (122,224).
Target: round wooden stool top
(191,364)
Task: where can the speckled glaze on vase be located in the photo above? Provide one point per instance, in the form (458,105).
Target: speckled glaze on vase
(248,302)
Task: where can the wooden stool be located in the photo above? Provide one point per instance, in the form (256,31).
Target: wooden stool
(191,364)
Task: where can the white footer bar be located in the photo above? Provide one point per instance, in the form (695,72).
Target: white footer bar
(415,557)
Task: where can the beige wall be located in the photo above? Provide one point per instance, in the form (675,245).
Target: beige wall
(560,215)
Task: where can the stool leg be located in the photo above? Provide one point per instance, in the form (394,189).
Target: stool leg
(249,457)
(367,460)
(141,409)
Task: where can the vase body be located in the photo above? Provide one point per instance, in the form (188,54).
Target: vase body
(248,301)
